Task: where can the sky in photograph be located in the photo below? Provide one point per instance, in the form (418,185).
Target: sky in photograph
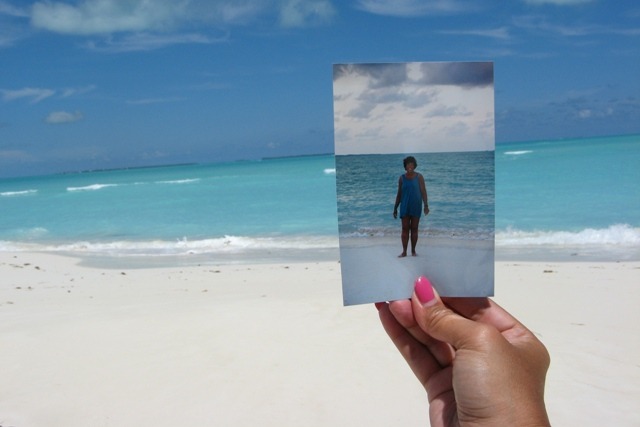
(94,84)
(413,107)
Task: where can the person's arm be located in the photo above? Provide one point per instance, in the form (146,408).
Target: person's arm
(398,198)
(423,191)
(478,364)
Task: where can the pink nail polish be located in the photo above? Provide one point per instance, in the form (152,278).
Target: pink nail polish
(424,290)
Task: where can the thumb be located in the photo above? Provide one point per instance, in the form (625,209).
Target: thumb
(442,323)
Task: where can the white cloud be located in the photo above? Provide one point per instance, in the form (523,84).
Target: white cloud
(36,94)
(14,155)
(392,108)
(501,33)
(585,114)
(143,25)
(106,16)
(7,40)
(8,9)
(59,117)
(299,13)
(558,2)
(448,111)
(72,91)
(412,8)
(39,94)
(542,25)
(145,41)
(148,101)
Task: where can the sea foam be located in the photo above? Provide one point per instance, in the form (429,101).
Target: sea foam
(615,235)
(517,153)
(184,246)
(18,193)
(92,187)
(180,181)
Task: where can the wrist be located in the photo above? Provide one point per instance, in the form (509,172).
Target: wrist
(532,414)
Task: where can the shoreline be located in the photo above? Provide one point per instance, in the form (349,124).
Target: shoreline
(525,254)
(298,248)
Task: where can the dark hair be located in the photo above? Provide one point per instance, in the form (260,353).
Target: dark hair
(408,160)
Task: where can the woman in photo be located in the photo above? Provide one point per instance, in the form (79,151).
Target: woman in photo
(412,193)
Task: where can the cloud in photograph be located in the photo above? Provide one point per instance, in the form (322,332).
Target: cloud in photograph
(413,107)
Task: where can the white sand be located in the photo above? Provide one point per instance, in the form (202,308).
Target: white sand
(468,264)
(272,345)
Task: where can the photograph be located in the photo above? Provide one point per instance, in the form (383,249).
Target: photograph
(184,186)
(415,179)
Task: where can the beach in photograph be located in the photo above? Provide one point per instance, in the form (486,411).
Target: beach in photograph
(373,271)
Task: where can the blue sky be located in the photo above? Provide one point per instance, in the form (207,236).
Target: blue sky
(105,83)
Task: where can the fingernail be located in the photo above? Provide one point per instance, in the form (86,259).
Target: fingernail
(424,290)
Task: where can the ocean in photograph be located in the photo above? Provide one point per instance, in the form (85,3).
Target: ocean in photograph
(456,245)
(581,193)
(460,188)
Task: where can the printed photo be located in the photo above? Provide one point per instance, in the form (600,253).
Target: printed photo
(414,146)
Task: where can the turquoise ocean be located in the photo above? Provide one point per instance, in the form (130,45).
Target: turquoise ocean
(460,189)
(580,195)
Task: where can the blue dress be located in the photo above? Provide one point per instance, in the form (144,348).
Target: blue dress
(411,202)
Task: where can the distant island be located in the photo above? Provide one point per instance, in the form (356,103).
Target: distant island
(123,168)
(127,168)
(296,156)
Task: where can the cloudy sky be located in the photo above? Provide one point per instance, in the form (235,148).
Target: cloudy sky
(112,83)
(413,107)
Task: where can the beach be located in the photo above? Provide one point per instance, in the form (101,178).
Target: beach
(271,344)
(456,267)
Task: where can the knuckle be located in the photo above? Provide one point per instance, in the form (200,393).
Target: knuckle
(437,317)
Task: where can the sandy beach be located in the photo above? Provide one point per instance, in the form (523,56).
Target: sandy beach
(271,344)
(455,267)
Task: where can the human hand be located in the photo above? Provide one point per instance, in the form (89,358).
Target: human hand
(426,210)
(395,213)
(478,364)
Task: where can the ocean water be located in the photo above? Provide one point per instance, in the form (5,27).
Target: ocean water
(460,188)
(581,193)
(227,208)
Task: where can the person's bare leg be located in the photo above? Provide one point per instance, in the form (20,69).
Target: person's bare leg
(414,235)
(404,237)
